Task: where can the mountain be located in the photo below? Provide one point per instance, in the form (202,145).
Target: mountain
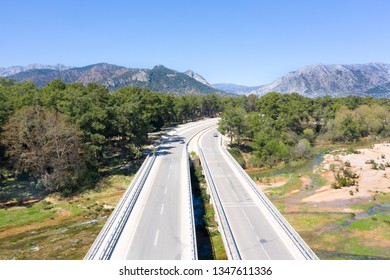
(235,89)
(335,80)
(4,72)
(159,79)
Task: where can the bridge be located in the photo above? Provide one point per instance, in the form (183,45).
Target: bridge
(154,219)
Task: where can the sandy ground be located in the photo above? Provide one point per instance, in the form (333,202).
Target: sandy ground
(370,181)
(272,182)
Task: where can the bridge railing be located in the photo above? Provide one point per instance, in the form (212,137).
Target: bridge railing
(191,208)
(111,231)
(226,231)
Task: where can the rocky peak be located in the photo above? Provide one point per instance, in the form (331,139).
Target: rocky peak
(197,77)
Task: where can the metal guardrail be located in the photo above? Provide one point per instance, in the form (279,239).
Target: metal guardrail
(228,237)
(191,206)
(190,202)
(294,236)
(121,212)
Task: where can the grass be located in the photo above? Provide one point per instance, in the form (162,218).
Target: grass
(331,237)
(20,216)
(218,247)
(292,184)
(310,222)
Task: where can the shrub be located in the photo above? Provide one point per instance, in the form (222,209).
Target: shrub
(235,152)
(335,186)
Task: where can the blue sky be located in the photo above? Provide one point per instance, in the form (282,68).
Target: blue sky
(243,42)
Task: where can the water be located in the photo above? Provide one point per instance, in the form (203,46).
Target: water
(301,168)
(376,209)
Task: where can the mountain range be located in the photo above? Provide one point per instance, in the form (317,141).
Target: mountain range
(317,80)
(335,80)
(5,72)
(159,78)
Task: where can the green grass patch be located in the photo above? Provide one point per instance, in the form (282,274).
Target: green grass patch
(292,184)
(318,180)
(218,247)
(19,216)
(365,224)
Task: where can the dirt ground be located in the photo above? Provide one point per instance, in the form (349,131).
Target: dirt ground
(370,182)
(272,182)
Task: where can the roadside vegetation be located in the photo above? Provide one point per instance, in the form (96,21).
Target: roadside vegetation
(283,128)
(209,239)
(58,227)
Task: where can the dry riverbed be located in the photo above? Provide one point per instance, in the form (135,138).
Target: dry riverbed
(347,222)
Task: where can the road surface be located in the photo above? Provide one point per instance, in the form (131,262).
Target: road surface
(256,233)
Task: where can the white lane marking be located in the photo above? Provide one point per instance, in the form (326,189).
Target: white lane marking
(162,209)
(246,217)
(265,251)
(234,193)
(156,237)
(228,183)
(169,175)
(258,239)
(166,190)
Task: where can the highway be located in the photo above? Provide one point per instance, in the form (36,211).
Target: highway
(154,219)
(160,224)
(253,233)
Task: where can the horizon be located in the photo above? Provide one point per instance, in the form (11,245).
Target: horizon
(242,43)
(225,83)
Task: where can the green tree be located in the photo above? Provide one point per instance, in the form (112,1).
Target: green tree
(344,127)
(127,121)
(303,149)
(233,123)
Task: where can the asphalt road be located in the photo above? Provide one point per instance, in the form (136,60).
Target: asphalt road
(257,235)
(159,226)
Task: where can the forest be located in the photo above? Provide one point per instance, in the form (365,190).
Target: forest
(62,135)
(284,127)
